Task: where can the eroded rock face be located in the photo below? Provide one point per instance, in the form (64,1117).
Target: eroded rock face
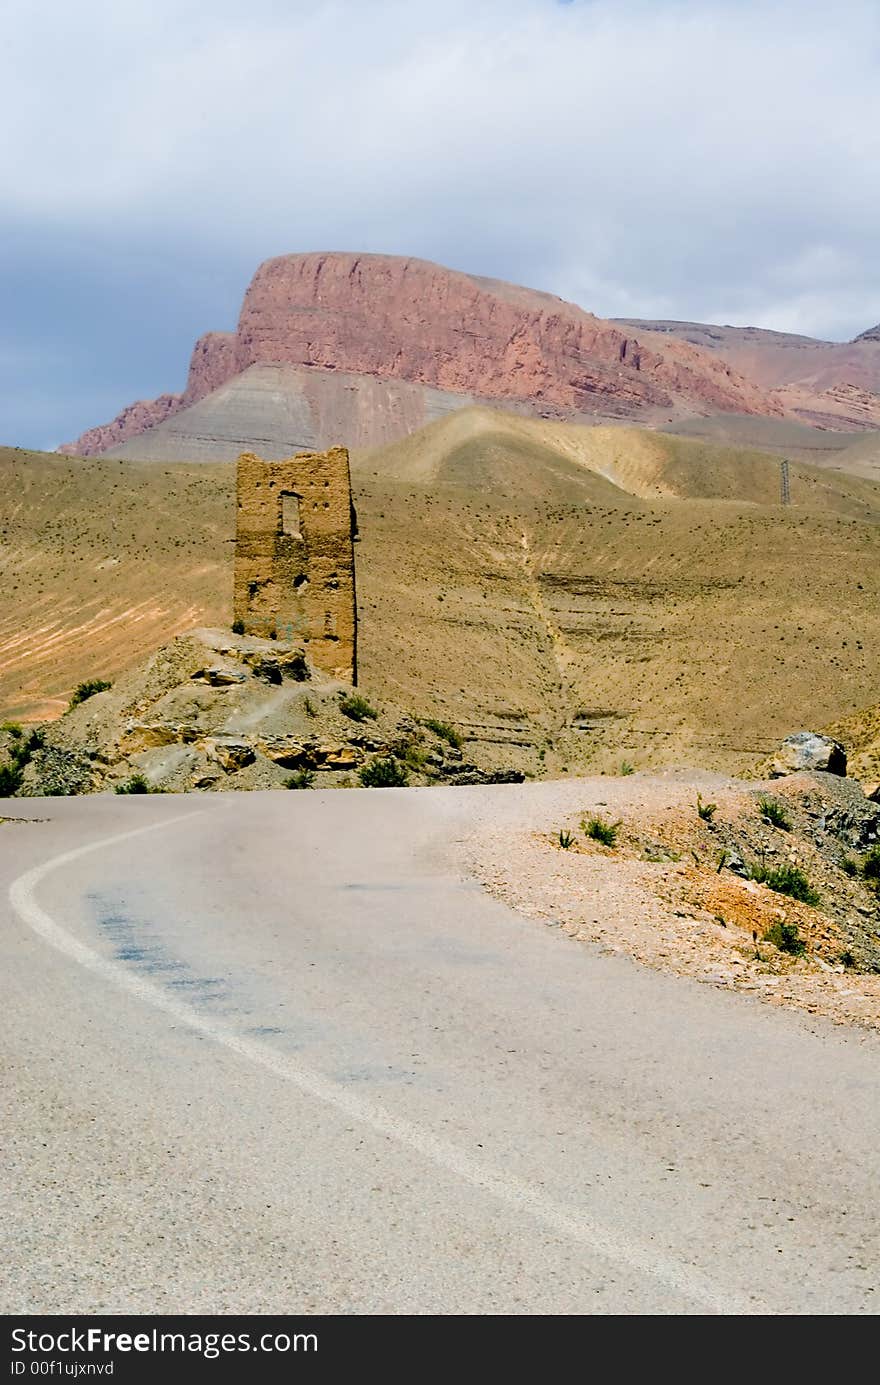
(388,317)
(807,750)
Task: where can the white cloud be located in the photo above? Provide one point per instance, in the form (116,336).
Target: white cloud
(689,158)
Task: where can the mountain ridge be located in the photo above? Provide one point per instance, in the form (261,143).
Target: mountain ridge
(405,319)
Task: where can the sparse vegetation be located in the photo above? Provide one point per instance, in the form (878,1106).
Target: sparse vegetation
(786,879)
(626,768)
(871,864)
(415,755)
(238,627)
(138,783)
(300,779)
(357,708)
(20,753)
(12,729)
(384,772)
(566,839)
(309,707)
(706,811)
(10,780)
(774,813)
(849,866)
(599,830)
(786,937)
(444,731)
(84,691)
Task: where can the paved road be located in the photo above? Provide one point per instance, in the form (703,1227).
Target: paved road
(274,1053)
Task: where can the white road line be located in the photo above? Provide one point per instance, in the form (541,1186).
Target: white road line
(506,1188)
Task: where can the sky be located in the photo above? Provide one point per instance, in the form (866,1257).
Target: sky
(713,160)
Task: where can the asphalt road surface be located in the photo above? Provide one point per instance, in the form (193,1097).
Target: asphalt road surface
(276,1053)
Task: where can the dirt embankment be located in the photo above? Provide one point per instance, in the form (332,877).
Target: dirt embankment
(695,894)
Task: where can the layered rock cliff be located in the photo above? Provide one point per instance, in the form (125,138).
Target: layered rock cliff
(394,318)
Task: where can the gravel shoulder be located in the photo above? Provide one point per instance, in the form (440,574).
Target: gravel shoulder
(661,896)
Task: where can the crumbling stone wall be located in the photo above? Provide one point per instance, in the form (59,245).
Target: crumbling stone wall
(294,555)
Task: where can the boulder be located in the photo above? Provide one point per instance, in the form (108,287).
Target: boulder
(139,735)
(287,753)
(220,677)
(810,751)
(229,752)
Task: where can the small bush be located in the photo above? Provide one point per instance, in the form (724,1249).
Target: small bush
(301,779)
(12,729)
(83,691)
(788,880)
(775,814)
(357,708)
(25,747)
(706,811)
(565,839)
(849,866)
(415,756)
(10,780)
(626,768)
(598,830)
(444,731)
(238,627)
(309,707)
(136,784)
(786,937)
(384,773)
(871,864)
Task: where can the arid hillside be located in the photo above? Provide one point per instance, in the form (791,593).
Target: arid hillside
(567,597)
(824,383)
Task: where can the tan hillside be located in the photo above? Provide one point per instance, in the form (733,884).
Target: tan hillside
(569,597)
(860,733)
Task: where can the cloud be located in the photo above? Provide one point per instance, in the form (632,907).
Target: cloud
(687,158)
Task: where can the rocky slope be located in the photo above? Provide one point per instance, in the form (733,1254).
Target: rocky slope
(215,710)
(397,319)
(826,384)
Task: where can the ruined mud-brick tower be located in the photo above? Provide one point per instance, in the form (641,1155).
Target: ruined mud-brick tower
(294,555)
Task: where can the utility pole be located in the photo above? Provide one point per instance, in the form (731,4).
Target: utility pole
(784,483)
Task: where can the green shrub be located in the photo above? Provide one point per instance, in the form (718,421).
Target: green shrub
(309,707)
(83,691)
(786,879)
(12,729)
(24,748)
(871,864)
(10,780)
(786,937)
(601,831)
(238,627)
(444,731)
(849,866)
(357,708)
(565,839)
(774,813)
(626,768)
(301,779)
(136,784)
(415,755)
(706,811)
(384,773)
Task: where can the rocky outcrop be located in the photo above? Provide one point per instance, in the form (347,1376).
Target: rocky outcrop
(215,710)
(807,750)
(391,318)
(825,384)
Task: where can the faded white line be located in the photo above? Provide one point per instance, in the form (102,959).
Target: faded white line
(506,1188)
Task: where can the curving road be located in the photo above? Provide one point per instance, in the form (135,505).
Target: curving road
(274,1053)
